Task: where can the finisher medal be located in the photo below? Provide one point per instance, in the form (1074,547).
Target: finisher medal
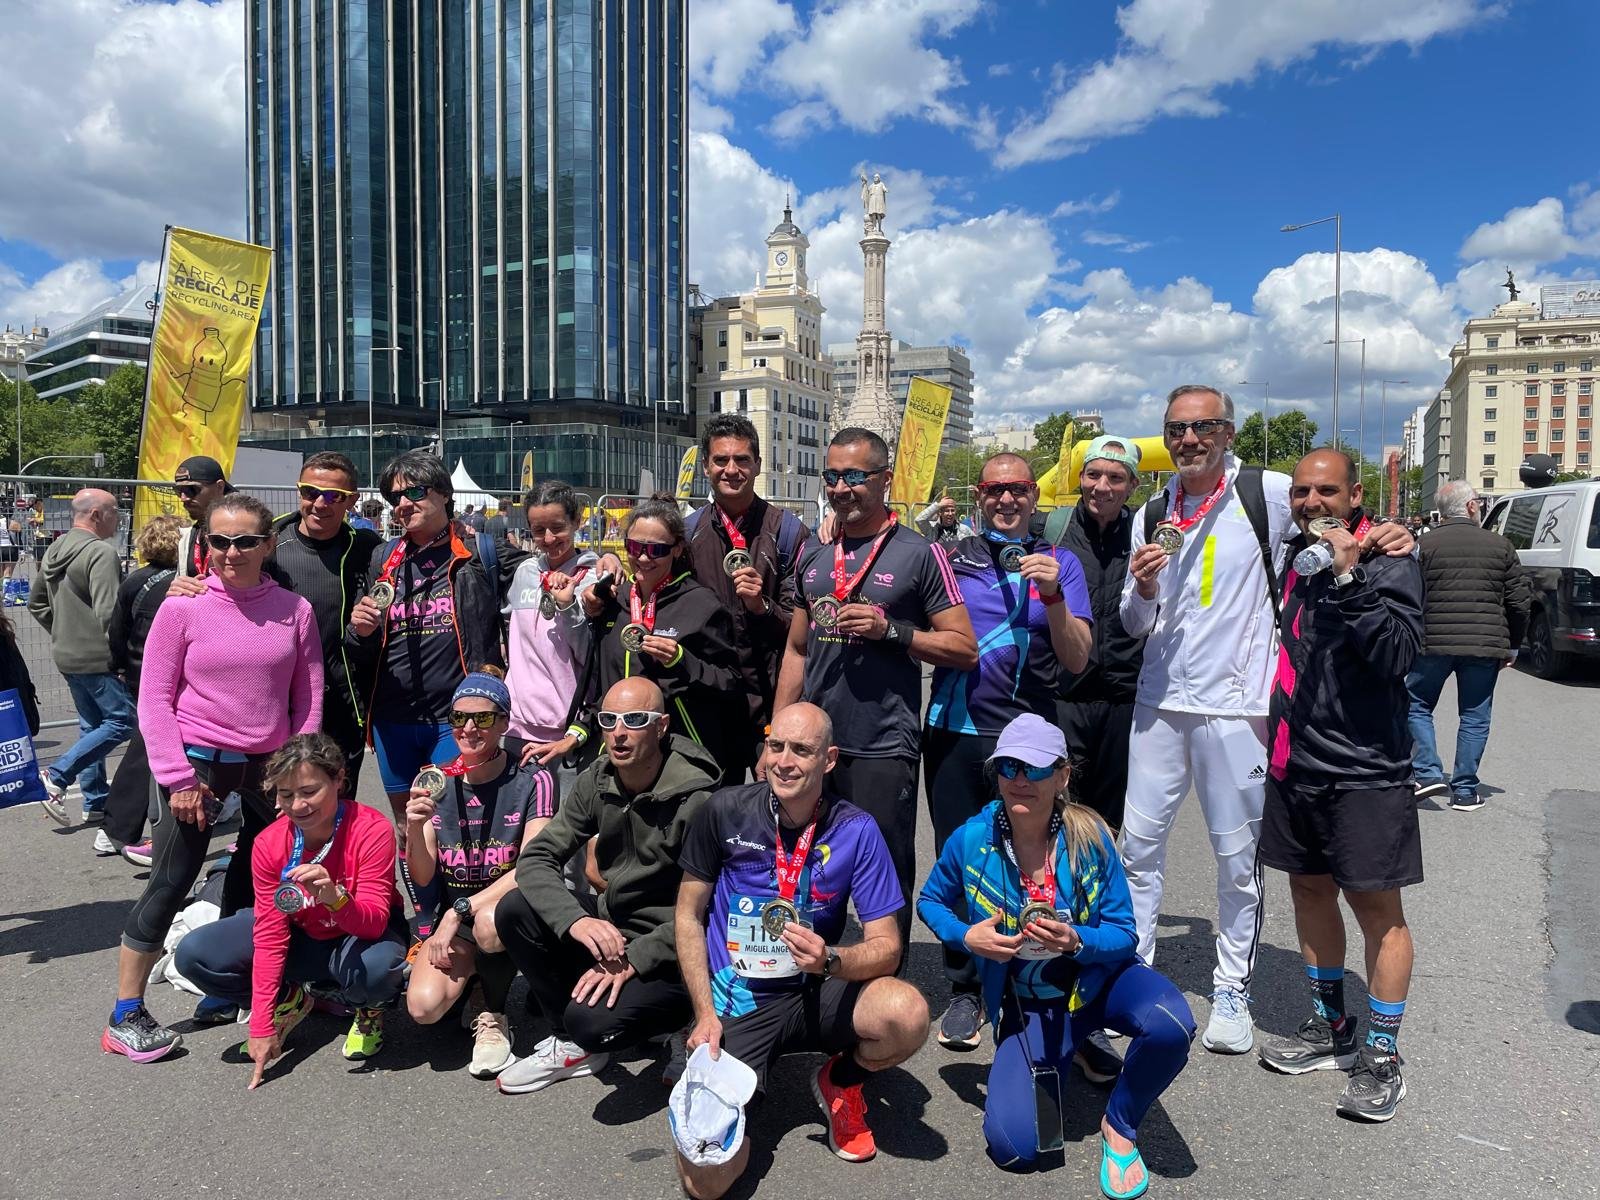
(547,606)
(776,916)
(735,560)
(1011,559)
(1036,911)
(381,593)
(1169,537)
(289,898)
(825,612)
(632,637)
(432,780)
(1318,526)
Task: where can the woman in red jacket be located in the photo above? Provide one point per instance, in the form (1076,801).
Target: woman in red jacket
(326,912)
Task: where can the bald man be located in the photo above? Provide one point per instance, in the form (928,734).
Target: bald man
(74,600)
(604,970)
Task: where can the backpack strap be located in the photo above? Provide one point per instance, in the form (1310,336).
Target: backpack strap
(791,536)
(1253,496)
(489,558)
(1154,509)
(1055,525)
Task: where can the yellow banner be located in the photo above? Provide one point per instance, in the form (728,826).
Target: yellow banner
(212,290)
(916,458)
(686,472)
(527,472)
(1066,477)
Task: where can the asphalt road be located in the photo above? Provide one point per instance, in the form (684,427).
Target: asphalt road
(1501,1038)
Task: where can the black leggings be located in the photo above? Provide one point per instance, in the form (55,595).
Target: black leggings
(179,854)
(956,779)
(128,805)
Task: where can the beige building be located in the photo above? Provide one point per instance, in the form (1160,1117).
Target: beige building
(1522,382)
(947,365)
(761,354)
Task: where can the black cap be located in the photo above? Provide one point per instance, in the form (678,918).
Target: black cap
(199,469)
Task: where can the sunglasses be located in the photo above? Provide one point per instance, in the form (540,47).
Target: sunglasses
(326,495)
(483,720)
(1206,428)
(1010,768)
(1020,488)
(188,490)
(414,493)
(243,541)
(648,550)
(639,718)
(852,476)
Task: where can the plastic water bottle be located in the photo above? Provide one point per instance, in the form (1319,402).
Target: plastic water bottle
(1313,559)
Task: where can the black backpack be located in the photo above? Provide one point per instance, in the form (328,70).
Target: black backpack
(1254,498)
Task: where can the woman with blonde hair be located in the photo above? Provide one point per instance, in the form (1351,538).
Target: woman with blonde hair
(1033,888)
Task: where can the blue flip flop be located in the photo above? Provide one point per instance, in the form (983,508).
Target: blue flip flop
(1123,1161)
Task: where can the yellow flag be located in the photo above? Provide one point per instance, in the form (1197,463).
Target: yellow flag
(916,458)
(1066,477)
(212,290)
(527,472)
(686,472)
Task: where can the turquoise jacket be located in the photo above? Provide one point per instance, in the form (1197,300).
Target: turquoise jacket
(974,879)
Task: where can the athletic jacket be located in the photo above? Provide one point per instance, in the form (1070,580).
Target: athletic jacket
(1115,655)
(1211,643)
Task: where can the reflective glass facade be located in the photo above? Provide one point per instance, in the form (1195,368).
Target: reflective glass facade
(494,186)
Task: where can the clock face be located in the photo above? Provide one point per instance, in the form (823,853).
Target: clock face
(782,258)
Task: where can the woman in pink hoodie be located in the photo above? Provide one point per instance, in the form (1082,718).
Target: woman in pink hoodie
(227,678)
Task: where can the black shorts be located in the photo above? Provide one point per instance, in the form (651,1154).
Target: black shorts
(9,554)
(1366,838)
(820,1017)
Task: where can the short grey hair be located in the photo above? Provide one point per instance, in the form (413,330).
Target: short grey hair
(1454,497)
(1184,389)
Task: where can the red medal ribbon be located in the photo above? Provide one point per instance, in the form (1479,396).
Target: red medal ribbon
(842,588)
(734,536)
(458,767)
(1176,517)
(544,577)
(386,575)
(789,868)
(1044,893)
(644,613)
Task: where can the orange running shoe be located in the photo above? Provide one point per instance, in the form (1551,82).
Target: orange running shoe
(846,1110)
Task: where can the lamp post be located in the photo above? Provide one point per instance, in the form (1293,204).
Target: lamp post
(1383,418)
(99,460)
(1361,420)
(20,378)
(511,455)
(440,382)
(1266,417)
(372,383)
(1338,237)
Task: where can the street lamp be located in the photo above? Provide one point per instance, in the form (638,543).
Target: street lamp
(440,382)
(99,460)
(1338,236)
(1361,420)
(372,383)
(20,379)
(1266,417)
(511,455)
(1383,415)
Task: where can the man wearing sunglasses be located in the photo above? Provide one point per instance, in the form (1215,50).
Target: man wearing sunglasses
(199,483)
(1207,603)
(941,523)
(875,604)
(604,969)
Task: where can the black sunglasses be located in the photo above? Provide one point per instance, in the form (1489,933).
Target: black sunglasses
(242,541)
(188,490)
(1206,428)
(483,720)
(852,476)
(413,493)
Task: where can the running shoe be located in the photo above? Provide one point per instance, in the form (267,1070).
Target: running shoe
(293,1006)
(1471,802)
(94,816)
(1230,1030)
(1375,1089)
(1315,1046)
(1096,1059)
(1421,790)
(54,802)
(366,1034)
(140,1037)
(213,1010)
(552,1061)
(104,846)
(140,854)
(961,1028)
(677,1058)
(846,1113)
(491,1045)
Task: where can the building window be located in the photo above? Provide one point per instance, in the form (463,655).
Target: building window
(1492,342)
(1492,369)
(1491,390)
(1530,435)
(1585,389)
(1488,460)
(1583,410)
(1530,414)
(1533,368)
(1583,433)
(1488,484)
(1531,389)
(1488,438)
(1583,458)
(1558,389)
(722,366)
(744,399)
(1489,414)
(1559,367)
(1557,412)
(1586,365)
(1555,434)
(722,337)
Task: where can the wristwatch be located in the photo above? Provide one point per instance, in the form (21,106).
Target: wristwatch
(830,964)
(463,909)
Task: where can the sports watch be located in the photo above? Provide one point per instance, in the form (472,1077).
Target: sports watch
(463,909)
(830,963)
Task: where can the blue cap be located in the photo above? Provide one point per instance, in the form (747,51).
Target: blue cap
(486,686)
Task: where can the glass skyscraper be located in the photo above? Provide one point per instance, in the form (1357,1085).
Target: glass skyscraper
(495,187)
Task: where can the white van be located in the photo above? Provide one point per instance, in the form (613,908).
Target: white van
(1556,531)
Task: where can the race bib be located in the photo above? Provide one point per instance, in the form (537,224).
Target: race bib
(753,954)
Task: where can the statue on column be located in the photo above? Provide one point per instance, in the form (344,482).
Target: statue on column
(875,203)
(1510,284)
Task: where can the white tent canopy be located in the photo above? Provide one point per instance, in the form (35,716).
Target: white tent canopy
(467,489)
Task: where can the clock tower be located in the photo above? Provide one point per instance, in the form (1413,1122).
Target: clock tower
(786,254)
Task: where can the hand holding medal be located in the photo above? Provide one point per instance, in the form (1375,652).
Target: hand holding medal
(843,610)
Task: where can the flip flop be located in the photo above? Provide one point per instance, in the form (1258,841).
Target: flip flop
(1124,1162)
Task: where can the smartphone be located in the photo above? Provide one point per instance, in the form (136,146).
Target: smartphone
(605,586)
(1047,1109)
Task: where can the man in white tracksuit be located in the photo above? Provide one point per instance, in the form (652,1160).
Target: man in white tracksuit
(1200,711)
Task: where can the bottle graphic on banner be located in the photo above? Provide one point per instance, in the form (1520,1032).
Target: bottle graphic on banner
(203,390)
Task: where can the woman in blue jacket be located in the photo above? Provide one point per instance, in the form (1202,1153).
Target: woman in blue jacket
(1048,981)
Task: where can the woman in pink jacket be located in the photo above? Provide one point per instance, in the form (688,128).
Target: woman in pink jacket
(227,678)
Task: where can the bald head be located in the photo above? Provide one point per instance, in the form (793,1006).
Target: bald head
(805,721)
(1006,465)
(1325,484)
(1329,459)
(633,693)
(95,510)
(798,755)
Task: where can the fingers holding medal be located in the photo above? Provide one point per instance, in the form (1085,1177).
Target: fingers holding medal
(776,916)
(1168,537)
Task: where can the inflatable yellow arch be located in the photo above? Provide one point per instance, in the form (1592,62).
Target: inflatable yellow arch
(1053,490)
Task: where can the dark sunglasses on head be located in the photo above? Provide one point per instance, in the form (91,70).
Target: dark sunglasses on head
(414,493)
(648,549)
(240,541)
(852,476)
(326,495)
(1010,768)
(637,719)
(188,490)
(483,720)
(1020,488)
(1206,428)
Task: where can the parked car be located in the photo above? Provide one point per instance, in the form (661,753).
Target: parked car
(1556,531)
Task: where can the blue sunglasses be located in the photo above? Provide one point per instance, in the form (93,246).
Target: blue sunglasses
(1010,768)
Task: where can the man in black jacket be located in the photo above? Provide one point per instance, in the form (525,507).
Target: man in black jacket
(1476,613)
(1339,815)
(1097,709)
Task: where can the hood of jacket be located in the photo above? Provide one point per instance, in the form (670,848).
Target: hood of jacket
(687,767)
(65,551)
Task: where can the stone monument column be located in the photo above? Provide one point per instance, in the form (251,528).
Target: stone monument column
(872,407)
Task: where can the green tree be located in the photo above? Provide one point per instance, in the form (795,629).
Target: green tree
(110,413)
(959,466)
(1047,435)
(1293,433)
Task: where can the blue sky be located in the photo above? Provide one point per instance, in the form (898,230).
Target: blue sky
(1086,195)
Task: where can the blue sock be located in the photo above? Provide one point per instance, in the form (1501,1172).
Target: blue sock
(1383,1025)
(1327,993)
(126,1008)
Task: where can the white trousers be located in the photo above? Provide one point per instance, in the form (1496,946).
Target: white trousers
(1225,758)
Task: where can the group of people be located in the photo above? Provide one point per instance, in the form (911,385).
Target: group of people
(654,784)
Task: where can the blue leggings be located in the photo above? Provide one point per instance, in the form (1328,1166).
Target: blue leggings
(1137,1001)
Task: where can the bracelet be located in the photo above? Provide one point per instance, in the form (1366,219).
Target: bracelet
(579,732)
(341,899)
(1056,597)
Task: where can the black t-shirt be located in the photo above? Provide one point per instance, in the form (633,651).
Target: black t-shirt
(313,569)
(422,656)
(873,690)
(477,850)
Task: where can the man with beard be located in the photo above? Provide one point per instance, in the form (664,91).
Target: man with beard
(199,482)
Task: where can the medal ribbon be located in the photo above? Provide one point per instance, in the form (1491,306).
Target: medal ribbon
(298,848)
(645,613)
(789,868)
(732,530)
(386,575)
(1176,517)
(842,588)
(1044,893)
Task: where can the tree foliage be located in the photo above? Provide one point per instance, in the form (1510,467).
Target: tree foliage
(1293,433)
(1047,435)
(102,418)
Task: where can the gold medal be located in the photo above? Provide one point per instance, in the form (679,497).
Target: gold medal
(633,636)
(735,560)
(1318,526)
(432,780)
(1036,911)
(1169,537)
(381,593)
(825,612)
(775,917)
(1011,559)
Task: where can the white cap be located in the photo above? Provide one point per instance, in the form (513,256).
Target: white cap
(706,1109)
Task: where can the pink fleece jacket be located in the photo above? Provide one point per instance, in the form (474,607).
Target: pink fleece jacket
(234,669)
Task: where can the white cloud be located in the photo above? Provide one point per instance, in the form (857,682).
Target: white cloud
(1119,242)
(1175,56)
(121,118)
(1535,234)
(1093,205)
(728,39)
(999,70)
(64,293)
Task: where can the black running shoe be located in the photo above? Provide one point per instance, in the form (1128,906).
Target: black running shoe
(1470,802)
(962,1026)
(1096,1059)
(1423,791)
(1315,1046)
(1375,1089)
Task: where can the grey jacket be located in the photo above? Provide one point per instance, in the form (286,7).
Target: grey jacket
(74,600)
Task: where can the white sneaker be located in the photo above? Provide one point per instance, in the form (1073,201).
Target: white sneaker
(551,1061)
(54,802)
(1230,1030)
(491,1045)
(677,1058)
(104,846)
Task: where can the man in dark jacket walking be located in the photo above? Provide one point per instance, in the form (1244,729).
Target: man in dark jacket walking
(1339,816)
(1476,613)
